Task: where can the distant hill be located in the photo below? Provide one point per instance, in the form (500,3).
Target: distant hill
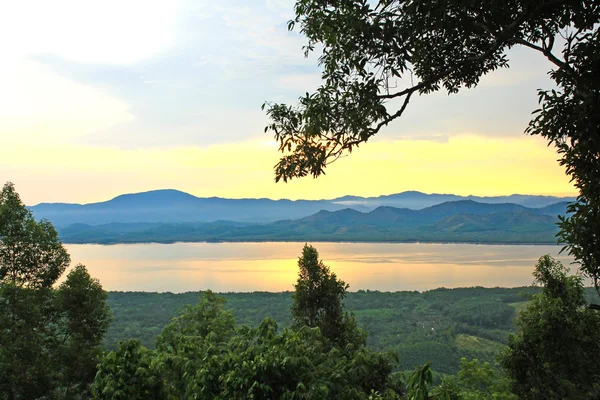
(417,200)
(459,221)
(169,206)
(172,206)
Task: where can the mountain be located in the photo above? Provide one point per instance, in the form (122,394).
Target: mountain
(170,206)
(417,200)
(173,206)
(459,221)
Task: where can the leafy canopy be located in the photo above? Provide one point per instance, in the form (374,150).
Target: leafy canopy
(31,254)
(50,339)
(201,355)
(554,354)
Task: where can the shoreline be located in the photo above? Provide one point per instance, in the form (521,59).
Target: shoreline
(349,291)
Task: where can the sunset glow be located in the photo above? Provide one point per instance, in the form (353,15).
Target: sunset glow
(175,103)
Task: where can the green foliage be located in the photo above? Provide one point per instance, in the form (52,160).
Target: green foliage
(480,381)
(27,342)
(197,322)
(50,340)
(419,383)
(127,374)
(419,327)
(31,255)
(553,355)
(569,119)
(86,317)
(200,356)
(318,302)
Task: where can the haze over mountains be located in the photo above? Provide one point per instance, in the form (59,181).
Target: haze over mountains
(172,206)
(169,216)
(459,221)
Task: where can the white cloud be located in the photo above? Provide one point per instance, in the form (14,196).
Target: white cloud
(38,106)
(195,72)
(109,31)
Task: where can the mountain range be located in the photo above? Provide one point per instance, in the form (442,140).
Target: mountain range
(172,206)
(460,221)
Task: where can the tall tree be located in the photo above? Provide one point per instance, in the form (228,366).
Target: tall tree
(85,317)
(49,339)
(377,56)
(31,255)
(554,354)
(318,301)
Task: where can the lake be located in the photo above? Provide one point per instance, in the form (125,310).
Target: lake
(248,267)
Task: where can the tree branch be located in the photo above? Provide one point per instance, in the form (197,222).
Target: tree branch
(393,116)
(502,38)
(556,61)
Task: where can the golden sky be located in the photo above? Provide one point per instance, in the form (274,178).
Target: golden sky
(464,165)
(175,103)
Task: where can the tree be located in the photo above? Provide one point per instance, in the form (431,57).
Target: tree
(49,339)
(318,301)
(127,374)
(85,317)
(197,322)
(200,356)
(480,381)
(554,354)
(31,255)
(371,49)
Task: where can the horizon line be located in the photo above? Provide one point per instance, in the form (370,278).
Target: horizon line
(559,196)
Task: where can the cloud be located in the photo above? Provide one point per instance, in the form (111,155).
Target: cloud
(37,106)
(207,86)
(110,31)
(196,72)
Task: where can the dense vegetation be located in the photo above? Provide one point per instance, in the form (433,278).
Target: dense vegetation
(440,325)
(458,221)
(50,338)
(554,353)
(202,353)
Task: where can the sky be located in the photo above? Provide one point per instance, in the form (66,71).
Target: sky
(103,98)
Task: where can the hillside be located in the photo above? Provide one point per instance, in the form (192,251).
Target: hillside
(459,221)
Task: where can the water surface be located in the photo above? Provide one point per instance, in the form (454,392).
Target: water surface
(247,267)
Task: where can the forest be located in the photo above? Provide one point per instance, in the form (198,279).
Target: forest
(440,326)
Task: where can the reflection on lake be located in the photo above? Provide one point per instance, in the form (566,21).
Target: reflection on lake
(247,267)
